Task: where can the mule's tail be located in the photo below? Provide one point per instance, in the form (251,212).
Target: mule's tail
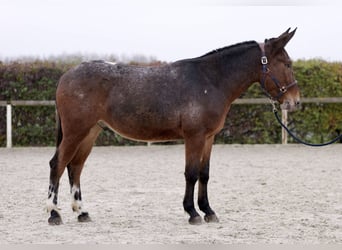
(59,133)
(59,136)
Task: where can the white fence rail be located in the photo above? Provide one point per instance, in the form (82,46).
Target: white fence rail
(9,104)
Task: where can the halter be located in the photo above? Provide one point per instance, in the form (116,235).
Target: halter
(267,72)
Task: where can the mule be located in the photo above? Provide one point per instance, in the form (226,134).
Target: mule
(188,99)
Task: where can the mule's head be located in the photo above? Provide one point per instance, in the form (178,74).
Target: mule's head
(277,77)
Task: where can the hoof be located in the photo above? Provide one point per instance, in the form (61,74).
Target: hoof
(83,217)
(197,220)
(212,218)
(55,218)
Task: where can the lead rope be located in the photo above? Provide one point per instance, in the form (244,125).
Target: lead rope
(275,111)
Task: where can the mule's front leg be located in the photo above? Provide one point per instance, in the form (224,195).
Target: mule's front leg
(191,176)
(203,201)
(55,218)
(193,154)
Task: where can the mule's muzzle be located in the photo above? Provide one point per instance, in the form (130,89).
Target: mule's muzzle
(290,104)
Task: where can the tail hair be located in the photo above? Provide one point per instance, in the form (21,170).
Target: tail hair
(59,133)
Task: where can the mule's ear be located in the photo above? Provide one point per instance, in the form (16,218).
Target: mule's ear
(280,42)
(287,31)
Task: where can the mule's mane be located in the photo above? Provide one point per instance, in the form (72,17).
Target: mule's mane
(231,48)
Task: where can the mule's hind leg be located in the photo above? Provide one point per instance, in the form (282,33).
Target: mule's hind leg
(55,218)
(74,170)
(203,201)
(63,155)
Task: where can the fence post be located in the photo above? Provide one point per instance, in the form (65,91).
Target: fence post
(8,125)
(283,131)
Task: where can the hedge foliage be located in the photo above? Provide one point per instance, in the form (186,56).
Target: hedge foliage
(35,126)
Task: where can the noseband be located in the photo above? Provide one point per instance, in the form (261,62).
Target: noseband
(282,89)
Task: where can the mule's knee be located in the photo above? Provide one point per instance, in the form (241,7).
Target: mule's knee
(191,176)
(204,174)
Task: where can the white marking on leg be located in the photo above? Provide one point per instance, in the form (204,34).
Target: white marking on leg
(76,204)
(50,205)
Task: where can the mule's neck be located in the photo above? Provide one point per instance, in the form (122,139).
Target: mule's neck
(234,69)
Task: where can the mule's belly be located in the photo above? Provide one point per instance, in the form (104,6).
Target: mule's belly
(145,124)
(162,121)
(144,133)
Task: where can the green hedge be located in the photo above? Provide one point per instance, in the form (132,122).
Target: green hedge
(35,126)
(318,122)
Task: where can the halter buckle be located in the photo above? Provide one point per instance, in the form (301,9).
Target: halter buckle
(264,60)
(283,89)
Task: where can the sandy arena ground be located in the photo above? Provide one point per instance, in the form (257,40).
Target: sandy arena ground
(261,194)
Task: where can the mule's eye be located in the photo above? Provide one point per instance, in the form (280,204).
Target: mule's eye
(288,65)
